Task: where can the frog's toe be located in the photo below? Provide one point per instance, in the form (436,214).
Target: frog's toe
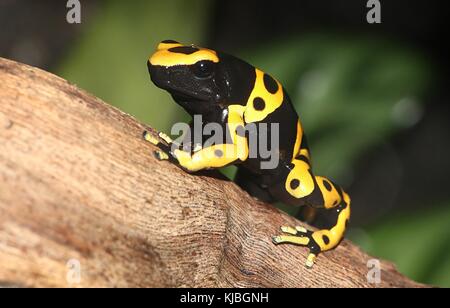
(150,138)
(288,230)
(160,155)
(165,137)
(310,260)
(276,240)
(301,229)
(293,239)
(298,230)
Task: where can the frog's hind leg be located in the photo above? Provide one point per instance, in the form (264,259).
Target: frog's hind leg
(320,240)
(301,187)
(308,214)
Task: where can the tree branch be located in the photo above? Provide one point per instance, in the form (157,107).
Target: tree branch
(78,182)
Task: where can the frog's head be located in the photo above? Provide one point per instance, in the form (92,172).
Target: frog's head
(200,79)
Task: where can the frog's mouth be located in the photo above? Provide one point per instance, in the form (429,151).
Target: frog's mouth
(181,96)
(191,103)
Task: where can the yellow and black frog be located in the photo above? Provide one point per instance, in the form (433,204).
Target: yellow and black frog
(250,106)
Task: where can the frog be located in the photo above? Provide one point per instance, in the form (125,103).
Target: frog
(231,93)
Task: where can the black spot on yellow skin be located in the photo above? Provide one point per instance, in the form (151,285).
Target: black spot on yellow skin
(187,50)
(218,153)
(270,84)
(169,42)
(259,104)
(326,240)
(295,183)
(327,185)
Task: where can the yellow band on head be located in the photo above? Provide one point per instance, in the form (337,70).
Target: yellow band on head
(165,57)
(167,45)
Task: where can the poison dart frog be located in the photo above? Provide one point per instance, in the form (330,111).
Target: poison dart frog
(232,93)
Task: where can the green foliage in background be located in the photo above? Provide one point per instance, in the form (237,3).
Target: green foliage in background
(347,92)
(111,58)
(351,94)
(418,243)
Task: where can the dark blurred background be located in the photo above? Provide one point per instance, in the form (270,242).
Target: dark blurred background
(373,98)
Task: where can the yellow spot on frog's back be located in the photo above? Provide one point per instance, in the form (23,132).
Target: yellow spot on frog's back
(330,194)
(301,177)
(268,102)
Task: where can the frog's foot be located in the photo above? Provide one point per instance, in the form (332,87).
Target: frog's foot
(298,236)
(161,139)
(166,138)
(164,145)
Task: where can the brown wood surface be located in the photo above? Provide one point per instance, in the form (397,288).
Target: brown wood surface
(78,182)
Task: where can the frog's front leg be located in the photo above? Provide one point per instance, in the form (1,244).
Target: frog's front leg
(214,156)
(208,157)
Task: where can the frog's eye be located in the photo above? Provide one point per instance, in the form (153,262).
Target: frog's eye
(203,69)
